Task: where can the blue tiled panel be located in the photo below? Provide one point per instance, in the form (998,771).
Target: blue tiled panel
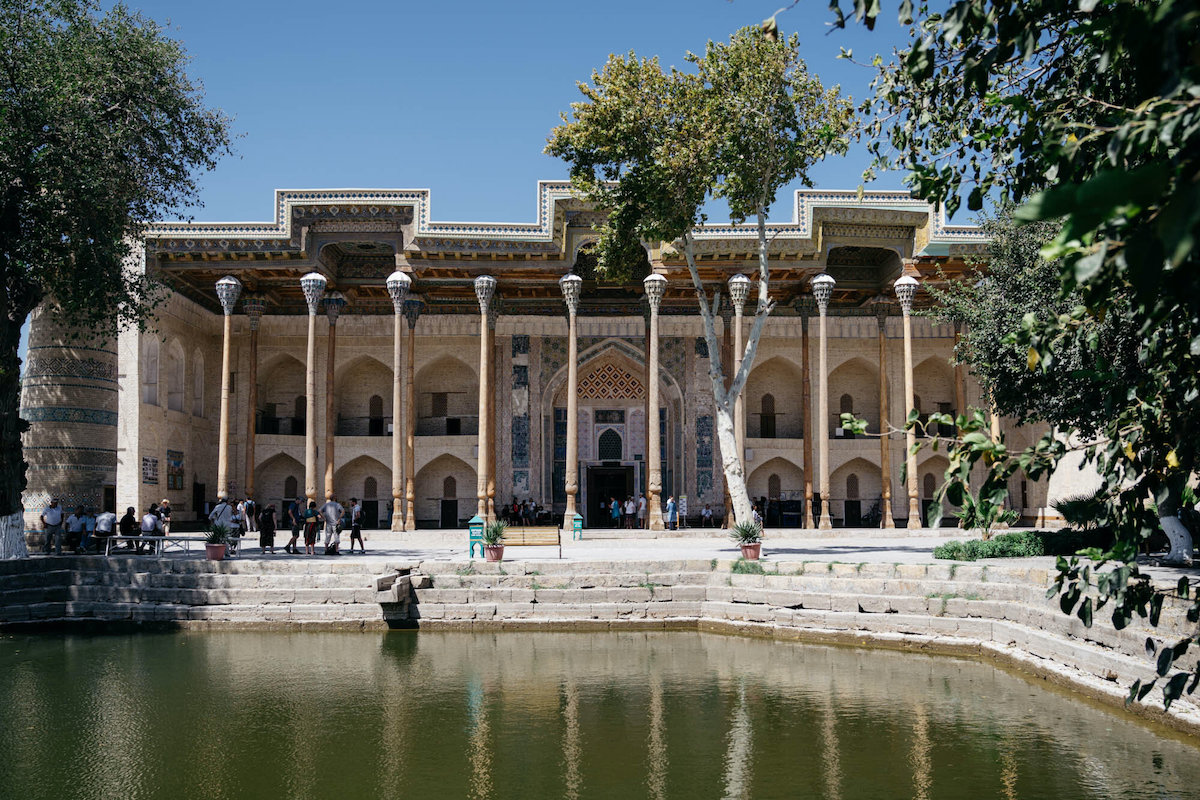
(701,347)
(520,376)
(520,442)
(704,441)
(520,345)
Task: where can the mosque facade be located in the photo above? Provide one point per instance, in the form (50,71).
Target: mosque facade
(308,375)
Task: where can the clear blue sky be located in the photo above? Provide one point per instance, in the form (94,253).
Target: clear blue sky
(456,97)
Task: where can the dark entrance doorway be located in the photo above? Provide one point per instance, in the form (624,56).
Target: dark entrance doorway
(370,514)
(603,484)
(199,501)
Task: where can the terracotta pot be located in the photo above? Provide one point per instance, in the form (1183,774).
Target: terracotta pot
(214,552)
(751,552)
(493,552)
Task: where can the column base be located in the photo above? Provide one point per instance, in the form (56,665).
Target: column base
(410,515)
(887,523)
(397,523)
(657,525)
(826,523)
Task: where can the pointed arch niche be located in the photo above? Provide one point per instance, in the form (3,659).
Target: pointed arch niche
(612,416)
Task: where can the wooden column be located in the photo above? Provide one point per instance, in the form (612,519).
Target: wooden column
(571,285)
(646,427)
(960,379)
(906,288)
(739,290)
(334,302)
(412,310)
(313,285)
(253,306)
(655,286)
(805,308)
(228,289)
(885,465)
(493,427)
(485,287)
(727,369)
(823,291)
(398,286)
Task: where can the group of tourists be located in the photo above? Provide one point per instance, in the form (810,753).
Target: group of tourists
(80,530)
(303,516)
(522,513)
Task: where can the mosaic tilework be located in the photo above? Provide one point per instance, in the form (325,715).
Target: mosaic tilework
(673,356)
(609,382)
(520,376)
(701,347)
(520,480)
(520,442)
(62,367)
(520,345)
(704,483)
(554,355)
(92,416)
(704,441)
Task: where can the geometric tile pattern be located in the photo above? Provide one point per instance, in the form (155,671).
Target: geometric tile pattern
(609,382)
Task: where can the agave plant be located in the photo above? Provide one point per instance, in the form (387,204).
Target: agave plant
(746,533)
(493,531)
(217,534)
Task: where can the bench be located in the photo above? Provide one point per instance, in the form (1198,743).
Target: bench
(178,541)
(528,536)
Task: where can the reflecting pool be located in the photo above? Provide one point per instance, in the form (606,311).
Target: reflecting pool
(529,715)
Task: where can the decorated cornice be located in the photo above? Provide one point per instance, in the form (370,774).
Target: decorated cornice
(386,210)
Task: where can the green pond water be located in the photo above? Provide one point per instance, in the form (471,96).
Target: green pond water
(528,715)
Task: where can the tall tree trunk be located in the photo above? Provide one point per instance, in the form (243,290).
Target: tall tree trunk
(724,399)
(12,462)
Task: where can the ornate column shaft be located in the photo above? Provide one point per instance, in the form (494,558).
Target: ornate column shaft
(885,465)
(655,286)
(823,291)
(398,285)
(906,289)
(646,409)
(739,290)
(493,311)
(571,285)
(485,287)
(960,380)
(334,302)
(253,306)
(313,285)
(412,310)
(228,289)
(727,368)
(805,308)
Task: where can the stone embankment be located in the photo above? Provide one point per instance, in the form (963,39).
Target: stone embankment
(994,611)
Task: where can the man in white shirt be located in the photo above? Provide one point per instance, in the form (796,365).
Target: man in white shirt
(629,510)
(332,513)
(641,511)
(151,526)
(105,523)
(52,518)
(75,524)
(707,515)
(222,514)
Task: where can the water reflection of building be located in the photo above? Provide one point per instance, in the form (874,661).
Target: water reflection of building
(157,434)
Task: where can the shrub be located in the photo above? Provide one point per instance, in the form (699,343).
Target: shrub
(744,567)
(746,533)
(1015,544)
(493,532)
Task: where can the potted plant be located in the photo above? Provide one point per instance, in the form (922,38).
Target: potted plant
(748,535)
(493,532)
(215,542)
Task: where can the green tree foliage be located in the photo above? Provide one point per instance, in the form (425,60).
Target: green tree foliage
(653,146)
(101,130)
(1084,385)
(1086,112)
